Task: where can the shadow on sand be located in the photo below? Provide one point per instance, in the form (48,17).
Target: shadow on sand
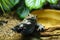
(33,36)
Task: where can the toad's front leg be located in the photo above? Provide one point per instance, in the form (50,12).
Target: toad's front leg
(40,27)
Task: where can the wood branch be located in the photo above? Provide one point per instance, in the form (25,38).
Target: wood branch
(53,28)
(50,31)
(49,34)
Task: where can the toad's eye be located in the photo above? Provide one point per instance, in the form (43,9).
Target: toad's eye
(25,21)
(28,23)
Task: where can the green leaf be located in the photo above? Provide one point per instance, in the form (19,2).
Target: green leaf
(6,5)
(22,12)
(14,2)
(53,1)
(34,4)
(2,8)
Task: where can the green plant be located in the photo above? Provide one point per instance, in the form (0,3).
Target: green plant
(24,7)
(6,5)
(53,1)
